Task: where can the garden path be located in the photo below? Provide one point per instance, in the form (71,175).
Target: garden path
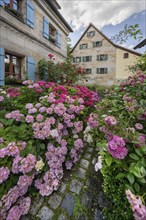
(79,197)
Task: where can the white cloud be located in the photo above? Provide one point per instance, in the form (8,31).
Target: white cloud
(79,13)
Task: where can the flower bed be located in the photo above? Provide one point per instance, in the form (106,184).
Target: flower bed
(121,137)
(41,127)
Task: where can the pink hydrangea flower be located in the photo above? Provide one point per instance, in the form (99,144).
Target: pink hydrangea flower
(110,120)
(38,105)
(138,126)
(32,110)
(141,140)
(1,98)
(116,147)
(14,213)
(29,106)
(28,164)
(39,117)
(29,119)
(139,210)
(13,150)
(24,205)
(4,174)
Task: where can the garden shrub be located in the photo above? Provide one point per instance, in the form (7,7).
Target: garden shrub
(42,132)
(121,138)
(139,65)
(63,73)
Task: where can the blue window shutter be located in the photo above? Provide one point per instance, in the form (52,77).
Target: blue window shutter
(31,68)
(59,39)
(1,3)
(46,28)
(30,14)
(2,69)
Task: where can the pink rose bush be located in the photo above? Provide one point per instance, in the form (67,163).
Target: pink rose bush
(42,132)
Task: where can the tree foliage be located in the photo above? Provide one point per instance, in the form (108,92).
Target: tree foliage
(128,31)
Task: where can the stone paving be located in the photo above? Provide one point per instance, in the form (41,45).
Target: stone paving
(74,199)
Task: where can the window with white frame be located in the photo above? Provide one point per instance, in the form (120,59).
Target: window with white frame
(83,46)
(97,44)
(88,70)
(101,70)
(76,59)
(91,34)
(87,58)
(102,57)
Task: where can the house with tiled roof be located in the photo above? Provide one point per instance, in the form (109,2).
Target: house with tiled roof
(106,63)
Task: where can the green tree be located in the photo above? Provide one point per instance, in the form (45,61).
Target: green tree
(69,48)
(126,33)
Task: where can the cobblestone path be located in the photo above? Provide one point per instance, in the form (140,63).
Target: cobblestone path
(79,197)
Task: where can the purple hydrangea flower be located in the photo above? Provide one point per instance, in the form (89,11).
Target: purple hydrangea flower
(116,147)
(4,174)
(138,126)
(29,119)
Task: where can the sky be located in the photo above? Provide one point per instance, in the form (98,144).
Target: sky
(110,16)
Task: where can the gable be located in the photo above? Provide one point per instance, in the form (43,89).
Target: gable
(101,36)
(86,39)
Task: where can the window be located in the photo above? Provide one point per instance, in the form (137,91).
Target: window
(126,55)
(12,66)
(14,8)
(88,70)
(87,58)
(91,34)
(50,33)
(101,70)
(83,46)
(76,59)
(102,57)
(97,44)
(14,4)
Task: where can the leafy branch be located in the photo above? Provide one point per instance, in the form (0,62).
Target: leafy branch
(126,33)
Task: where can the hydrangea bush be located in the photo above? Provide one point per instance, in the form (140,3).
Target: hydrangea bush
(121,138)
(41,133)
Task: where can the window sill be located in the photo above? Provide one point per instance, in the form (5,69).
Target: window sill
(15,14)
